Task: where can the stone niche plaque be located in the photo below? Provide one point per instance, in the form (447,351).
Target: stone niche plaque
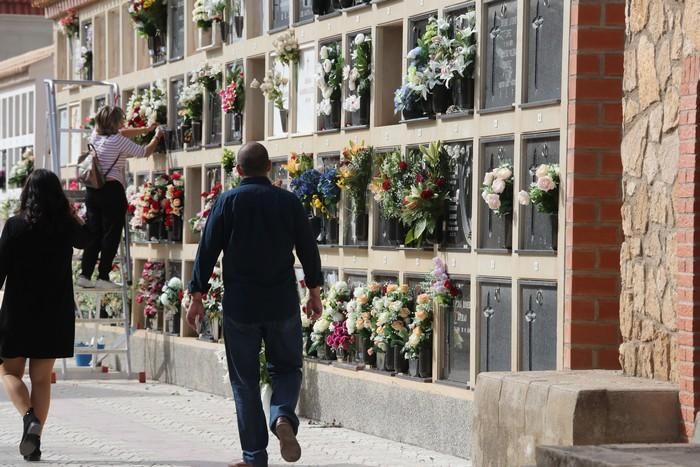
(495,232)
(457,319)
(304,10)
(415,282)
(213,174)
(544,37)
(386,277)
(278,174)
(458,232)
(538,230)
(495,325)
(538,325)
(355,279)
(416,30)
(280,13)
(330,276)
(500,51)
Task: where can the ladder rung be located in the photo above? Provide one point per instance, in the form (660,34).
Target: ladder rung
(95,290)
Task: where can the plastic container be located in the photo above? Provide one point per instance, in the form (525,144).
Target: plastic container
(82,359)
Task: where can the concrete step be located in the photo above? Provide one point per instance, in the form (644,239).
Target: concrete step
(620,455)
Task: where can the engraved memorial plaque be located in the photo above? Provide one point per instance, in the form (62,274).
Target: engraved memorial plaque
(458,335)
(500,52)
(495,232)
(495,325)
(538,326)
(304,10)
(459,205)
(280,13)
(538,229)
(355,279)
(213,175)
(544,37)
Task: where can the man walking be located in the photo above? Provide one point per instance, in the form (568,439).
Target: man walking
(257,226)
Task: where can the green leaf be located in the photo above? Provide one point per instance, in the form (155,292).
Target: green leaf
(409,237)
(419,228)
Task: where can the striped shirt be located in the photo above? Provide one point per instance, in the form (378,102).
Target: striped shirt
(115,147)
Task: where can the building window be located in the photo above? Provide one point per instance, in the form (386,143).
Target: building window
(177,29)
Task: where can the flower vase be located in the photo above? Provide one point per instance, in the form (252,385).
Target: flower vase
(507,235)
(284,119)
(324,352)
(333,120)
(389,359)
(363,344)
(440,99)
(182,131)
(330,231)
(346,3)
(400,362)
(215,329)
(152,323)
(236,121)
(416,109)
(425,360)
(196,133)
(305,343)
(238,26)
(360,227)
(172,324)
(175,230)
(340,354)
(413,367)
(155,230)
(156,47)
(463,93)
(224,30)
(315,222)
(266,399)
(554,223)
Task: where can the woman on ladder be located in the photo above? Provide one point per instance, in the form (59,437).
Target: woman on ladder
(106,207)
(37,318)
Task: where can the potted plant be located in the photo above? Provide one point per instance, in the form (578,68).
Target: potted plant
(328,81)
(171,300)
(497,193)
(544,195)
(233,101)
(274,88)
(359,80)
(355,172)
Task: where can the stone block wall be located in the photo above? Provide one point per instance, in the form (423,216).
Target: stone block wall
(659,304)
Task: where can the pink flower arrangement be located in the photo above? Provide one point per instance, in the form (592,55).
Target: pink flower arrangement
(339,338)
(69,23)
(232,96)
(150,287)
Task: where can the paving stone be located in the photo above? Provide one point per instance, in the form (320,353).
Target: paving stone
(123,423)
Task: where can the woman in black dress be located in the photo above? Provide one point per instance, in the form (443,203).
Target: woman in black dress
(37,318)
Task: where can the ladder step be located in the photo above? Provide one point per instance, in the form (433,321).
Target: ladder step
(96,290)
(99,320)
(93,351)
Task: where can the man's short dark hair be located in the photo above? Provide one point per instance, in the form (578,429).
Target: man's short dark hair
(253,159)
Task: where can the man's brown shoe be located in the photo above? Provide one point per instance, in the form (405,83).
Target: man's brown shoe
(289,446)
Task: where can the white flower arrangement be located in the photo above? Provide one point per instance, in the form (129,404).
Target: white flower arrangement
(207,11)
(464,45)
(21,170)
(287,47)
(329,77)
(497,189)
(171,296)
(190,100)
(274,88)
(207,75)
(359,75)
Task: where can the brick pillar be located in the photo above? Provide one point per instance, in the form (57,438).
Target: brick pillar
(594,180)
(687,204)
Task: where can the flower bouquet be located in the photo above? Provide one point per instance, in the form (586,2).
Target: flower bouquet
(88,123)
(198,222)
(355,174)
(544,191)
(328,80)
(438,70)
(464,60)
(208,76)
(359,80)
(334,309)
(424,202)
(342,343)
(233,95)
(393,174)
(149,288)
(69,24)
(392,315)
(412,97)
(497,189)
(146,108)
(171,300)
(298,164)
(21,170)
(85,63)
(328,194)
(228,162)
(190,102)
(305,186)
(150,20)
(213,305)
(287,47)
(360,321)
(173,206)
(275,89)
(205,12)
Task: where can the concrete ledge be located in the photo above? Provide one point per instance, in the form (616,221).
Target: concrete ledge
(629,455)
(432,416)
(514,412)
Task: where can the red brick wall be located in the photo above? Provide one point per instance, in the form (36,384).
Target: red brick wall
(687,203)
(19,7)
(594,181)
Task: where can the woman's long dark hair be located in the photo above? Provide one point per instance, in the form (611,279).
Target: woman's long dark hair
(43,202)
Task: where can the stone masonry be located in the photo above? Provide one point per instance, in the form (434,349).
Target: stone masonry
(659,304)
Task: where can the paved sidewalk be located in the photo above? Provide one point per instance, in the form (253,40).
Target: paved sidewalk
(123,423)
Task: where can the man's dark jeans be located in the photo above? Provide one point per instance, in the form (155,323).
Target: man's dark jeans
(283,349)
